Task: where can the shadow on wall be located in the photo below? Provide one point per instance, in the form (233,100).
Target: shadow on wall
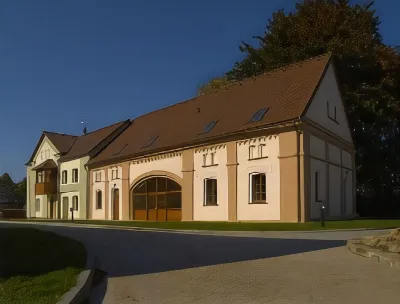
(125,253)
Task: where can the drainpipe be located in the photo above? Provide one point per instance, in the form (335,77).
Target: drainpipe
(298,173)
(88,188)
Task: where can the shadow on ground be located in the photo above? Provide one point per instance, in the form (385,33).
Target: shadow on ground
(126,253)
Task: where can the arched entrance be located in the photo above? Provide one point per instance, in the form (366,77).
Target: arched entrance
(157,199)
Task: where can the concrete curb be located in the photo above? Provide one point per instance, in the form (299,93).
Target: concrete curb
(393,259)
(72,224)
(81,291)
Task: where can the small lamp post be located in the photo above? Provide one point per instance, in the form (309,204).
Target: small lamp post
(72,213)
(322,214)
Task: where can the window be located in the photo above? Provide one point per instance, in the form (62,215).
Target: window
(99,200)
(74,175)
(331,111)
(37,204)
(210,192)
(41,155)
(114,173)
(97,176)
(208,127)
(75,202)
(40,177)
(204,159)
(317,187)
(47,154)
(251,152)
(64,177)
(261,151)
(258,191)
(212,159)
(259,115)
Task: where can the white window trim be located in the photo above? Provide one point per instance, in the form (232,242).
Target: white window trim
(62,177)
(97,176)
(77,202)
(116,173)
(262,150)
(205,192)
(37,203)
(73,176)
(251,186)
(204,159)
(251,151)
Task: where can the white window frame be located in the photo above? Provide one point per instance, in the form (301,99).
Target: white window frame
(47,153)
(205,192)
(37,205)
(75,179)
(251,151)
(75,203)
(97,199)
(114,173)
(213,163)
(64,180)
(204,159)
(97,176)
(251,201)
(262,150)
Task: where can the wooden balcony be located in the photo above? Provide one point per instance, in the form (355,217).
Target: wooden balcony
(46,188)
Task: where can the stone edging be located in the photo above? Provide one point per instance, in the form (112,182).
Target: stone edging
(81,290)
(393,259)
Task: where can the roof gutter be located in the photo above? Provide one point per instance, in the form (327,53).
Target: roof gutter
(194,144)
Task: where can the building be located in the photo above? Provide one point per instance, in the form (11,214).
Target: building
(273,148)
(57,176)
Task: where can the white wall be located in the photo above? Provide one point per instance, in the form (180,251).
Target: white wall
(338,197)
(46,151)
(269,166)
(220,172)
(70,195)
(68,166)
(98,214)
(43,206)
(329,91)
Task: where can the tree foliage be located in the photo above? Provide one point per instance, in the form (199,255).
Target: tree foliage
(369,76)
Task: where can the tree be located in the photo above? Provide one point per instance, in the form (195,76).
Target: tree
(369,76)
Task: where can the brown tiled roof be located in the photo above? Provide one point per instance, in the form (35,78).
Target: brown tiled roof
(86,143)
(286,92)
(62,142)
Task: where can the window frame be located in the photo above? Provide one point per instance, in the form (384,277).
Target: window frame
(316,187)
(37,205)
(97,176)
(214,201)
(99,199)
(75,203)
(75,179)
(64,181)
(112,173)
(251,189)
(251,151)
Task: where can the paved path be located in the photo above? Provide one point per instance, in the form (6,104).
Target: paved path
(227,267)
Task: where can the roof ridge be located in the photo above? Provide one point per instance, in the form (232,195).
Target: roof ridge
(64,134)
(119,122)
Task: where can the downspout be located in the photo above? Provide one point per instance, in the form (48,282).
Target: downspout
(88,190)
(298,173)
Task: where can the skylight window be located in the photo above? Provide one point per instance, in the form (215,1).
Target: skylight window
(209,126)
(151,141)
(259,115)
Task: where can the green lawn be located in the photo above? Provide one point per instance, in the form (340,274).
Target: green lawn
(235,226)
(37,266)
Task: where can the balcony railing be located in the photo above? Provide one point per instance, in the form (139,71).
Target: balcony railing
(46,188)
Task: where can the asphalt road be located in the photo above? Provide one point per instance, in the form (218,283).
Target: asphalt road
(256,267)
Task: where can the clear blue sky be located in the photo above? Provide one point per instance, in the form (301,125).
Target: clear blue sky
(62,62)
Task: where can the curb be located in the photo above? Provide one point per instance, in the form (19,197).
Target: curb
(188,231)
(391,258)
(81,290)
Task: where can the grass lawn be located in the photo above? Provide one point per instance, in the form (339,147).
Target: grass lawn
(37,266)
(238,226)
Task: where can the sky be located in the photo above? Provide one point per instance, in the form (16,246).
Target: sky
(63,62)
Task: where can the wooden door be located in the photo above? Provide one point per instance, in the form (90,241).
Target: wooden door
(116,204)
(65,209)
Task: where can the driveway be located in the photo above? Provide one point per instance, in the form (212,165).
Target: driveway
(229,267)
